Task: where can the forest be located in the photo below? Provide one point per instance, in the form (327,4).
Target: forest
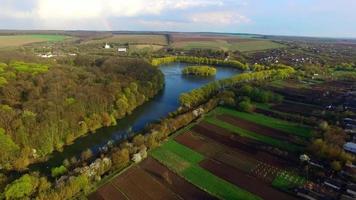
(44,106)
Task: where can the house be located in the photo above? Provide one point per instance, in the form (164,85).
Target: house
(122,49)
(350,146)
(107,46)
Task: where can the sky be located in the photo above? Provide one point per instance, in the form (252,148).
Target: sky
(325,18)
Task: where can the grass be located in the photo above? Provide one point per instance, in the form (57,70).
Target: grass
(286,181)
(19,40)
(173,154)
(132,39)
(255,136)
(33,68)
(288,127)
(243,46)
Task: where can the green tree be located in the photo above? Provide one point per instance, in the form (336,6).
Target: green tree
(22,187)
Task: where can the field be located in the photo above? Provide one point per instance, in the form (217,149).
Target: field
(19,40)
(226,43)
(227,155)
(132,39)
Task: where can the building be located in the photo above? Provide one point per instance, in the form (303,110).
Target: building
(350,146)
(122,49)
(107,46)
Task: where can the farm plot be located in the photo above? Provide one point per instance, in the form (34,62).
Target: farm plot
(176,183)
(133,184)
(222,42)
(284,145)
(173,153)
(247,171)
(243,180)
(296,108)
(240,144)
(19,40)
(288,127)
(137,184)
(257,128)
(132,39)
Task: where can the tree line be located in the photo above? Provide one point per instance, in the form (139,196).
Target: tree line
(199,70)
(200,95)
(200,61)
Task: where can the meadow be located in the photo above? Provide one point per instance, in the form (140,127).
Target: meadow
(19,40)
(226,45)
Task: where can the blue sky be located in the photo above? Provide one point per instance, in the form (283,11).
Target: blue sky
(327,18)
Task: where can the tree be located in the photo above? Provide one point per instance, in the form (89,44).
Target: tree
(8,148)
(58,171)
(22,187)
(138,140)
(121,158)
(85,155)
(336,165)
(245,106)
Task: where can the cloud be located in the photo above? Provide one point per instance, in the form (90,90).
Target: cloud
(86,9)
(219,17)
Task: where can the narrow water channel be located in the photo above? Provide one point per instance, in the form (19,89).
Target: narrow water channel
(158,107)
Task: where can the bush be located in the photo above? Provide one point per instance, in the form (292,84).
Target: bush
(58,171)
(246,106)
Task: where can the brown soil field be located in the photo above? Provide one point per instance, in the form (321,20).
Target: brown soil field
(240,144)
(200,144)
(107,192)
(137,184)
(257,128)
(214,150)
(243,180)
(174,182)
(289,107)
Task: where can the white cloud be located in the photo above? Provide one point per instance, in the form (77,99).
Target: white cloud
(219,18)
(84,9)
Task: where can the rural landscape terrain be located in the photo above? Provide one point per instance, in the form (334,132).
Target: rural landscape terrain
(107,115)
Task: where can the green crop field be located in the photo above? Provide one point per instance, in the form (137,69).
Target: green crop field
(289,127)
(19,40)
(255,136)
(185,162)
(131,39)
(243,46)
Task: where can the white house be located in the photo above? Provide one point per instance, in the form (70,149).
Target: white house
(107,46)
(122,49)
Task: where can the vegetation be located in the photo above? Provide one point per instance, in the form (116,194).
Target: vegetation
(199,61)
(199,70)
(41,113)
